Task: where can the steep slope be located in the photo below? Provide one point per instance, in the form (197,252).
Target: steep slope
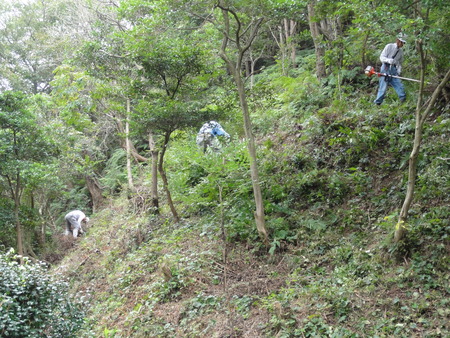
(333,173)
(145,277)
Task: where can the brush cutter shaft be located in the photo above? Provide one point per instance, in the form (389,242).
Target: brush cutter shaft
(398,77)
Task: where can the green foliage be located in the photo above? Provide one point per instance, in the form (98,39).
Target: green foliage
(332,167)
(296,96)
(35,304)
(30,49)
(71,199)
(19,132)
(7,230)
(73,93)
(26,147)
(201,305)
(237,204)
(28,151)
(243,305)
(203,176)
(114,174)
(280,234)
(172,62)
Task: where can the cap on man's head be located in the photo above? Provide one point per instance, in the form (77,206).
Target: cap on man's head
(402,37)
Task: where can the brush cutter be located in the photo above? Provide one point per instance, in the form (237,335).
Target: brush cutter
(369,71)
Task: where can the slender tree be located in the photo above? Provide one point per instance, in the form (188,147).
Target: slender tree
(287,19)
(169,94)
(433,58)
(235,34)
(314,26)
(25,149)
(128,148)
(422,113)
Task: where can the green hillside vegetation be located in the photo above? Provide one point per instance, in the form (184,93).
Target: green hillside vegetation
(333,180)
(177,244)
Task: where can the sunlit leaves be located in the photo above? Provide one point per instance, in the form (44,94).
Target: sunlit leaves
(24,146)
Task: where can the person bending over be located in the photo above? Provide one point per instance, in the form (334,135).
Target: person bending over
(74,219)
(207,136)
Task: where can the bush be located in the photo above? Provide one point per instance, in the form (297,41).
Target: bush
(33,304)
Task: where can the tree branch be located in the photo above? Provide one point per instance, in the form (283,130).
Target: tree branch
(435,96)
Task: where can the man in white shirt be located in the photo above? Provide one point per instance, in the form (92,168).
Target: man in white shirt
(73,222)
(392,59)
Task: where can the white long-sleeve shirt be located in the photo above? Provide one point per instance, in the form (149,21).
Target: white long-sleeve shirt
(388,53)
(77,214)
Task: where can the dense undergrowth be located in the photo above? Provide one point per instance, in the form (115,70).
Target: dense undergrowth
(35,304)
(333,169)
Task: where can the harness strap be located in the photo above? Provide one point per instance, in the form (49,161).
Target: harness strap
(398,49)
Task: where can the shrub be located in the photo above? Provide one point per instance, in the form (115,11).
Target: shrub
(33,304)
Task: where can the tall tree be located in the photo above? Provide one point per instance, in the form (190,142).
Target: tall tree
(287,20)
(427,28)
(314,26)
(35,37)
(238,24)
(25,150)
(241,37)
(171,86)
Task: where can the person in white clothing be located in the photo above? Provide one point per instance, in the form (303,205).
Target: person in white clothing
(74,219)
(207,136)
(392,59)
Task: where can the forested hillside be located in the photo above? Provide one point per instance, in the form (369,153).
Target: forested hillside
(312,212)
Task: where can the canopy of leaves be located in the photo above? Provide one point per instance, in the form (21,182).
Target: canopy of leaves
(25,147)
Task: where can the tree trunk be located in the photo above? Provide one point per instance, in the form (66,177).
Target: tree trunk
(19,233)
(259,214)
(42,232)
(400,228)
(234,68)
(154,191)
(290,27)
(286,31)
(138,157)
(282,44)
(162,173)
(17,194)
(318,41)
(96,193)
(128,149)
(250,66)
